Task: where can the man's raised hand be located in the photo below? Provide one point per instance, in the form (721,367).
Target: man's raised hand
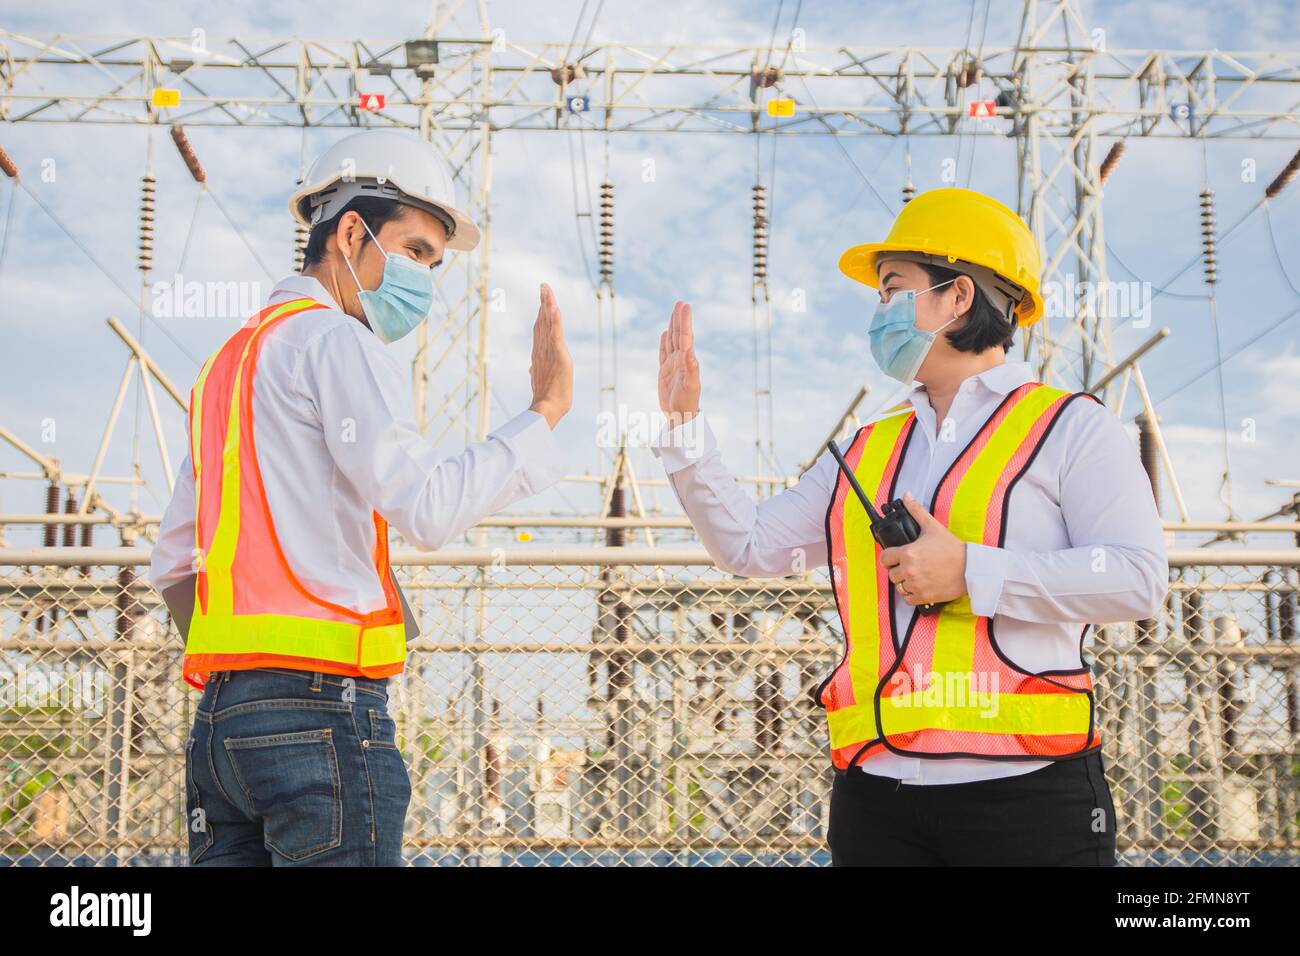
(552,368)
(679,370)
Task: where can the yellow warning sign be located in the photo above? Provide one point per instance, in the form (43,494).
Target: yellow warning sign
(164,97)
(780,107)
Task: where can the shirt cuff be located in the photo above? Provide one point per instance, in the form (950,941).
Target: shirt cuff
(541,459)
(684,445)
(986,573)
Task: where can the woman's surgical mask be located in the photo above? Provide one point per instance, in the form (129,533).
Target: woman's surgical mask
(897,345)
(403,299)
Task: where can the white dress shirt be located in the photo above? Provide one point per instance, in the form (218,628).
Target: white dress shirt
(1083,542)
(332,416)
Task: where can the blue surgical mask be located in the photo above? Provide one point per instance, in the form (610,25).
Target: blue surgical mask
(403,299)
(897,345)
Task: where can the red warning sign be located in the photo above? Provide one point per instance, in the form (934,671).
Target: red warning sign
(982,109)
(372,101)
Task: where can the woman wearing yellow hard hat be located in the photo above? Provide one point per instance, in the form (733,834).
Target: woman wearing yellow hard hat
(973,533)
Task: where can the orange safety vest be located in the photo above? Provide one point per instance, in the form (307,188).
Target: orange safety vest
(947,690)
(250,609)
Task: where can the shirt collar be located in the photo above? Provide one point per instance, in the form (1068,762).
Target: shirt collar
(296,286)
(1000,379)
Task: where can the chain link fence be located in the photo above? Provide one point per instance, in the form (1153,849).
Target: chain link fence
(627,706)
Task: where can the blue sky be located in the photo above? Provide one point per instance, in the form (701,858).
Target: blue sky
(686,235)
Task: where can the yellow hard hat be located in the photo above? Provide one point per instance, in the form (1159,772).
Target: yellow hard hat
(960,225)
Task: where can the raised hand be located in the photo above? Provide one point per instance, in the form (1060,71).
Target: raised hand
(679,370)
(552,368)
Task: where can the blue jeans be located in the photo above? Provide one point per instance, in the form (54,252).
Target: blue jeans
(294,768)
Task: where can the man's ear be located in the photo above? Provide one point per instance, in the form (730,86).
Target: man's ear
(345,236)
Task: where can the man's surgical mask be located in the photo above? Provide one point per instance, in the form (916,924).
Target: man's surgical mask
(897,345)
(403,299)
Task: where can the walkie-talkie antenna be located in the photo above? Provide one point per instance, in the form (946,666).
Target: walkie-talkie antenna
(895,528)
(857,488)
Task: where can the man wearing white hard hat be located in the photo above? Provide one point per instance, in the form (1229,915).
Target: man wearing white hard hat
(273,554)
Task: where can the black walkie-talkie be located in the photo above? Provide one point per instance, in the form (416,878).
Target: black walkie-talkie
(894,528)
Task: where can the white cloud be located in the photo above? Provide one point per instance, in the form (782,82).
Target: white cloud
(685,235)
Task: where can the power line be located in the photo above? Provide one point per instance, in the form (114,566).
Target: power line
(1163,288)
(9,221)
(189,233)
(1125,266)
(242,238)
(979,55)
(771,41)
(1277,255)
(836,140)
(577,212)
(591,28)
(131,297)
(1231,355)
(966,65)
(564,60)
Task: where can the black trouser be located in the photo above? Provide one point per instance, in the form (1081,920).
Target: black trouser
(1061,815)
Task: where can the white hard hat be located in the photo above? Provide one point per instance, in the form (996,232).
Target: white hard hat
(384,163)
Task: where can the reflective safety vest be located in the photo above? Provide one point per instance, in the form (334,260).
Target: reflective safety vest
(250,609)
(946,690)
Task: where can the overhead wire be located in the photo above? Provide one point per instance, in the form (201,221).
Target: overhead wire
(1221,240)
(146,264)
(130,296)
(1163,288)
(979,55)
(1164,291)
(961,89)
(577,215)
(242,237)
(586,182)
(189,233)
(576,122)
(9,221)
(1277,255)
(1287,317)
(591,28)
(768,199)
(836,139)
(577,26)
(576,126)
(1207,219)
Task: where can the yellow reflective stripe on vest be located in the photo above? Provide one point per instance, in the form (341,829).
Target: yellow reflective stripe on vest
(221,553)
(970,502)
(289,636)
(220,556)
(857,721)
(954,643)
(196,445)
(853,724)
(986,713)
(196,417)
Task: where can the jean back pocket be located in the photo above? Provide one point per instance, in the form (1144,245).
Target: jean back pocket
(291,781)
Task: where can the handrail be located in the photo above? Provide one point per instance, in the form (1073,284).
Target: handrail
(578,556)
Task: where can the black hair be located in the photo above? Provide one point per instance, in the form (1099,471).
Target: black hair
(984,327)
(374,212)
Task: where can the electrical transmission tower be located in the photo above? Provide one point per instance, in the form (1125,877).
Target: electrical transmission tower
(1058,91)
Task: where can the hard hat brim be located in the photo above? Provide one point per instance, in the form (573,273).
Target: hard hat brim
(859,263)
(465,237)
